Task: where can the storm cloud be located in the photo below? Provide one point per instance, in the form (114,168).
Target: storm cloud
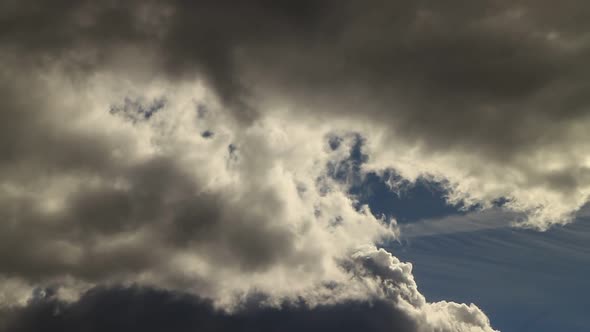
(497,87)
(438,68)
(141,309)
(396,306)
(188,145)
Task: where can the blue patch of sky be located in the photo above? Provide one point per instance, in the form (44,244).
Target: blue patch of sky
(410,202)
(232,148)
(524,280)
(207,134)
(138,109)
(232,151)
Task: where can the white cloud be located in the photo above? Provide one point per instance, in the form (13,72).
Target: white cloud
(153,202)
(391,279)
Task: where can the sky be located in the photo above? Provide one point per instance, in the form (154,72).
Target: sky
(319,165)
(524,280)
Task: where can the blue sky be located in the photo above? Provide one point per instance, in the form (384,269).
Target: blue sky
(524,280)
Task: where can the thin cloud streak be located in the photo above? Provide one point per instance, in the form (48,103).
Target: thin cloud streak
(470,222)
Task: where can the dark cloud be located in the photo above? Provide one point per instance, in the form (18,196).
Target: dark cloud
(186,38)
(485,77)
(159,200)
(144,309)
(495,80)
(495,76)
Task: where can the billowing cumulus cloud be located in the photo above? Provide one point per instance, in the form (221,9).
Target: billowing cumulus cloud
(101,195)
(191,146)
(111,183)
(489,95)
(396,305)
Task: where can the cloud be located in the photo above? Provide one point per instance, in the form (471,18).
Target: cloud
(141,309)
(491,97)
(109,178)
(393,280)
(486,97)
(93,197)
(471,222)
(397,306)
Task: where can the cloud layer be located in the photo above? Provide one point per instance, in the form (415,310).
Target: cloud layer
(490,96)
(112,183)
(187,145)
(397,306)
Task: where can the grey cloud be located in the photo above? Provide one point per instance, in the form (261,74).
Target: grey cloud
(144,309)
(390,286)
(497,80)
(187,38)
(114,196)
(453,76)
(501,84)
(498,77)
(90,196)
(160,201)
